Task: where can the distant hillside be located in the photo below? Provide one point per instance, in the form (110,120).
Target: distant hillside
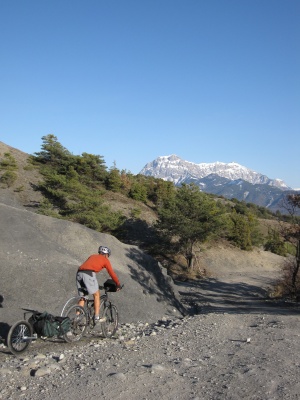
(138,217)
(22,192)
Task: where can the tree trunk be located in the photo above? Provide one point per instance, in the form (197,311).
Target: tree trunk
(191,262)
(296,270)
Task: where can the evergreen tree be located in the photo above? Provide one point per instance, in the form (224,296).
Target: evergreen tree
(91,168)
(275,243)
(73,186)
(164,192)
(52,153)
(113,180)
(240,232)
(189,217)
(138,192)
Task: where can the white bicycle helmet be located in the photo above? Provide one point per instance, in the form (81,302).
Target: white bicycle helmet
(104,250)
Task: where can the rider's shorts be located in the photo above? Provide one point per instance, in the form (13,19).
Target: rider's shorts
(86,282)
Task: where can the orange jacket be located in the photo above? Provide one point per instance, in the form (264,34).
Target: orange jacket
(96,262)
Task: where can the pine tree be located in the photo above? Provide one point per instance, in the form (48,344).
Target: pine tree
(188,218)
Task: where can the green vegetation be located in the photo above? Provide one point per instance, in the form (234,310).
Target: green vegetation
(275,243)
(135,213)
(187,218)
(8,164)
(244,229)
(74,185)
(19,189)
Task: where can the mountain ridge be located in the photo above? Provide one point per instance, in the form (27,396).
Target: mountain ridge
(232,170)
(230,180)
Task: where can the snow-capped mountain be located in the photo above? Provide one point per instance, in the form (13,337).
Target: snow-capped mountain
(230,180)
(173,168)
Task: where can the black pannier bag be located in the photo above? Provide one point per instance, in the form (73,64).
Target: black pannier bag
(110,285)
(45,324)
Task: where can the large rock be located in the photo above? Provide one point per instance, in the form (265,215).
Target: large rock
(39,257)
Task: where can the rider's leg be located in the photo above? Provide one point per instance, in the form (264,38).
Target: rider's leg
(81,302)
(97,303)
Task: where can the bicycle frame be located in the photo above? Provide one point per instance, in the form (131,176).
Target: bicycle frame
(75,300)
(89,306)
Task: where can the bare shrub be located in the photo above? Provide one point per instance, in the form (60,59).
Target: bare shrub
(289,284)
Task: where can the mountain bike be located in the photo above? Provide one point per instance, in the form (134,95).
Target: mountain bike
(82,318)
(24,331)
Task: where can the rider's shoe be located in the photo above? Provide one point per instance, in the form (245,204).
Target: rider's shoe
(98,319)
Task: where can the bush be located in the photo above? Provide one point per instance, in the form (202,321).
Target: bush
(8,178)
(135,212)
(289,285)
(8,162)
(19,189)
(275,244)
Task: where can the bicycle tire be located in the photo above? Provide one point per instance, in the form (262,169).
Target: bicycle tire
(70,303)
(78,317)
(16,341)
(75,300)
(110,326)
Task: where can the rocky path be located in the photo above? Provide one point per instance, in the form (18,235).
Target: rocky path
(238,346)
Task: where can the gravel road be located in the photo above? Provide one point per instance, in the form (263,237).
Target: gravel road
(246,352)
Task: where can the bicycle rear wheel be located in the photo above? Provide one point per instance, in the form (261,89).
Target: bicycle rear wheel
(71,302)
(78,317)
(19,337)
(110,326)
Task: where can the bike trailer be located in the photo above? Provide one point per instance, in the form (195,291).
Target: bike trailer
(45,324)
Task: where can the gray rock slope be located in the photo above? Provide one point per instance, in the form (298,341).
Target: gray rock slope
(39,257)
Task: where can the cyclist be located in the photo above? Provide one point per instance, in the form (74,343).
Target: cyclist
(87,281)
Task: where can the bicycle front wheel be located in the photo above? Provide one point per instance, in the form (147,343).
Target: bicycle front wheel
(19,337)
(110,326)
(78,317)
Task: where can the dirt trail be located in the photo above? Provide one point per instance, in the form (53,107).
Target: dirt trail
(238,282)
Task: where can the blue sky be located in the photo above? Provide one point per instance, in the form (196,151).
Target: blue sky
(132,80)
